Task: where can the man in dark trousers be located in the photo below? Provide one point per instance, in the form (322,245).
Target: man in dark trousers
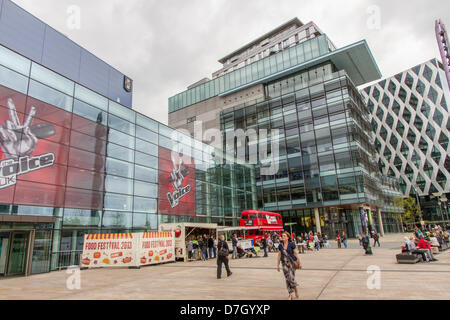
(222,257)
(264,246)
(234,241)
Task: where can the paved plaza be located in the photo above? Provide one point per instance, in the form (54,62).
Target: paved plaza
(329,274)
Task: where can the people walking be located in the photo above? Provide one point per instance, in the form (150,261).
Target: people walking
(290,259)
(222,257)
(376,239)
(234,241)
(344,239)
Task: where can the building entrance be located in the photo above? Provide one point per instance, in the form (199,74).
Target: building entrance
(15,252)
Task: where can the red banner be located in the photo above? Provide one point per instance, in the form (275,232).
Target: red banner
(176,190)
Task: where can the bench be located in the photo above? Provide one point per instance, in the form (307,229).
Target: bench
(408,258)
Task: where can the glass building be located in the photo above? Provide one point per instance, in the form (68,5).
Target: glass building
(328,179)
(409,115)
(74,161)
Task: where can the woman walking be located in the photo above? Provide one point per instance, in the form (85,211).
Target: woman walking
(289,258)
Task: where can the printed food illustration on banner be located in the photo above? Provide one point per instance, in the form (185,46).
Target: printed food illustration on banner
(176,183)
(156,247)
(109,250)
(18,142)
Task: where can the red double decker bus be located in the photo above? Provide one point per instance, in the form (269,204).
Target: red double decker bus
(267,222)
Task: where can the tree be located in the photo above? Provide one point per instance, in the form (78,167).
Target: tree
(412,210)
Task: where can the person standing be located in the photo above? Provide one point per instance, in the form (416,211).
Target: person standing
(360,239)
(338,240)
(222,257)
(316,242)
(264,246)
(211,247)
(215,247)
(270,243)
(202,248)
(376,239)
(194,248)
(206,246)
(288,256)
(366,243)
(234,241)
(190,248)
(344,239)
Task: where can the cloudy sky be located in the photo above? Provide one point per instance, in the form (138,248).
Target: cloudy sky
(166,45)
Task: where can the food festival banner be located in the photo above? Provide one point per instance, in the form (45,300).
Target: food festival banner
(156,247)
(127,249)
(109,250)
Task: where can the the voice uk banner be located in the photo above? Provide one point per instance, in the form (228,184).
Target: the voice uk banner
(127,249)
(176,190)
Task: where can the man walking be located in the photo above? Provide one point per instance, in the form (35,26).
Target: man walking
(264,246)
(234,241)
(222,257)
(376,239)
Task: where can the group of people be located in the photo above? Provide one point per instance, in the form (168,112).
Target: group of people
(311,241)
(202,247)
(424,240)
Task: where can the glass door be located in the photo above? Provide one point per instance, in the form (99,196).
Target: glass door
(18,253)
(4,241)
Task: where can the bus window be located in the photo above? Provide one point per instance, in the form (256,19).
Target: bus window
(278,218)
(260,216)
(245,217)
(252,216)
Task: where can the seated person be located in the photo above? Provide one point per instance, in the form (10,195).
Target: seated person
(425,245)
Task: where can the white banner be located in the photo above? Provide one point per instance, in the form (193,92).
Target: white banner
(156,247)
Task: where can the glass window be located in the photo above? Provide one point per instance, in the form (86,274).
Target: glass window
(121,111)
(49,95)
(89,112)
(144,189)
(145,221)
(13,80)
(91,97)
(166,142)
(147,123)
(52,79)
(146,160)
(118,152)
(119,202)
(146,147)
(119,168)
(146,174)
(14,61)
(147,135)
(120,138)
(118,185)
(145,205)
(117,219)
(121,125)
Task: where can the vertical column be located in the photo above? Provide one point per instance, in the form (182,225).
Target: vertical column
(74,247)
(380,222)
(253,186)
(318,226)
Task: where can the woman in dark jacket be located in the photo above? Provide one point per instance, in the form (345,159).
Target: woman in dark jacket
(222,257)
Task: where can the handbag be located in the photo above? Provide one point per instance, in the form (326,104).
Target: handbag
(295,263)
(223,252)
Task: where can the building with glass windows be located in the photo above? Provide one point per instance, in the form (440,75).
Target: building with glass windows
(74,160)
(295,80)
(409,115)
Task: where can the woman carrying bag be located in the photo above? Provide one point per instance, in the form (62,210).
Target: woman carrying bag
(290,260)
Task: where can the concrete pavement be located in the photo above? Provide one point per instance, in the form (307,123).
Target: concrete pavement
(329,274)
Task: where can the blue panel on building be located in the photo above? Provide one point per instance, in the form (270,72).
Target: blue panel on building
(1,5)
(94,73)
(21,31)
(116,89)
(61,54)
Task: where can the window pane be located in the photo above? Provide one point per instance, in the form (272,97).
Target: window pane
(14,61)
(51,96)
(121,111)
(119,168)
(147,122)
(146,174)
(13,80)
(89,112)
(91,97)
(121,125)
(145,189)
(52,79)
(118,152)
(117,219)
(146,147)
(144,205)
(145,221)
(146,160)
(118,185)
(146,135)
(121,138)
(118,202)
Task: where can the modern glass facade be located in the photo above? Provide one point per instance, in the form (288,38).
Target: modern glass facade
(326,157)
(86,164)
(409,115)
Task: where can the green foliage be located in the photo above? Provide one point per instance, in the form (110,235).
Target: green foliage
(412,210)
